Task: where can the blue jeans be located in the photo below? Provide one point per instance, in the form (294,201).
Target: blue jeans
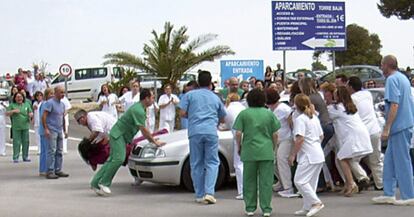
(204,163)
(54,152)
(43,154)
(397,165)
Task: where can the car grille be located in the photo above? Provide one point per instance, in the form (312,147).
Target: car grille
(145,174)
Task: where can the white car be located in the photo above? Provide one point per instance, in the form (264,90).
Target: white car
(170,164)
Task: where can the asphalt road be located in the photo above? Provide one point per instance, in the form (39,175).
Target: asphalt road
(24,194)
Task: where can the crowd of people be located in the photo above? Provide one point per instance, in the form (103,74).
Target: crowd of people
(312,137)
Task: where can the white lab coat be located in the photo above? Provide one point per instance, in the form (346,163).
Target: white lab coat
(2,129)
(110,105)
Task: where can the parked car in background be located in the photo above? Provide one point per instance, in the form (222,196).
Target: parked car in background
(150,81)
(85,83)
(5,86)
(320,73)
(293,76)
(378,98)
(170,164)
(364,72)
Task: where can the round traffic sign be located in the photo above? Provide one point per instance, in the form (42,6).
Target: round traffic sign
(65,70)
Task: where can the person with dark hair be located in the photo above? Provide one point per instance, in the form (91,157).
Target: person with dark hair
(132,96)
(258,127)
(365,105)
(204,110)
(252,82)
(352,135)
(48,94)
(397,131)
(121,133)
(268,76)
(123,91)
(370,84)
(21,114)
(285,143)
(107,101)
(340,80)
(259,84)
(307,151)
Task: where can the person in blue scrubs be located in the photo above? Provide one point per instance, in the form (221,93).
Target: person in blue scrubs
(204,110)
(399,109)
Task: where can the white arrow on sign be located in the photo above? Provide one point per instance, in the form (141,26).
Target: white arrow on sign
(326,43)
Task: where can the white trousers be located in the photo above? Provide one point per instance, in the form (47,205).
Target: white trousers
(238,166)
(374,161)
(283,168)
(169,125)
(65,140)
(37,136)
(306,181)
(3,139)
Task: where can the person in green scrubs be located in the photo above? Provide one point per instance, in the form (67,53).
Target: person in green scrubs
(21,114)
(256,135)
(124,130)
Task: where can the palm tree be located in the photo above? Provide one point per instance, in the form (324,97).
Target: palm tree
(170,54)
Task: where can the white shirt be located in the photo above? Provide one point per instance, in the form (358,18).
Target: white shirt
(38,85)
(30,82)
(284,96)
(365,105)
(232,111)
(100,122)
(66,102)
(109,107)
(2,116)
(351,132)
(36,113)
(168,113)
(282,112)
(128,100)
(150,123)
(311,130)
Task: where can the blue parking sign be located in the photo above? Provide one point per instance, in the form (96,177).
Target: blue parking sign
(241,69)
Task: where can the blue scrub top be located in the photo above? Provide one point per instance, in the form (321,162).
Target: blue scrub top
(398,90)
(204,109)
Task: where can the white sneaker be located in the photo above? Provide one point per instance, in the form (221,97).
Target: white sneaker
(301,212)
(200,200)
(239,197)
(210,199)
(409,202)
(266,214)
(97,191)
(249,213)
(314,210)
(106,190)
(383,200)
(287,193)
(277,187)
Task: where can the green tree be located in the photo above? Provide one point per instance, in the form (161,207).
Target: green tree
(170,54)
(317,65)
(362,48)
(403,9)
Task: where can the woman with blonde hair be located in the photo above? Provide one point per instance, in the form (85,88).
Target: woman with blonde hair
(353,136)
(233,108)
(307,150)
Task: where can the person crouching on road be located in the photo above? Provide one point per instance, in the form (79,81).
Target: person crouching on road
(308,135)
(124,130)
(259,127)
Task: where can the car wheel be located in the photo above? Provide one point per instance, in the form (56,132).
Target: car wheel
(222,177)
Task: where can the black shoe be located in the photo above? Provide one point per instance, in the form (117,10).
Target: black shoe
(363,184)
(51,176)
(62,174)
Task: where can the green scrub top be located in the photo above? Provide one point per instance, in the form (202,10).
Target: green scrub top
(128,124)
(257,126)
(21,120)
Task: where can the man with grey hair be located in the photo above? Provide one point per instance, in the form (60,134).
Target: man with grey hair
(98,122)
(53,122)
(399,109)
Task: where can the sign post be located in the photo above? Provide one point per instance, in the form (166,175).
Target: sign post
(241,69)
(65,70)
(308,25)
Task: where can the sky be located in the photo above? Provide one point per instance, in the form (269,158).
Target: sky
(81,32)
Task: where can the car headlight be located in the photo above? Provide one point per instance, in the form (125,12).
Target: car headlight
(151,151)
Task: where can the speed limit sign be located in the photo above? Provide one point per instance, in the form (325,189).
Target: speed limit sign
(65,70)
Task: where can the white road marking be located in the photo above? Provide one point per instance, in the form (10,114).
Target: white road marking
(69,138)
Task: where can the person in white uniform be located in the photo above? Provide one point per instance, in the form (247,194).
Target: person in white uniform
(151,116)
(38,97)
(167,103)
(285,142)
(68,106)
(307,151)
(3,107)
(99,124)
(130,97)
(107,101)
(353,136)
(233,108)
(365,105)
